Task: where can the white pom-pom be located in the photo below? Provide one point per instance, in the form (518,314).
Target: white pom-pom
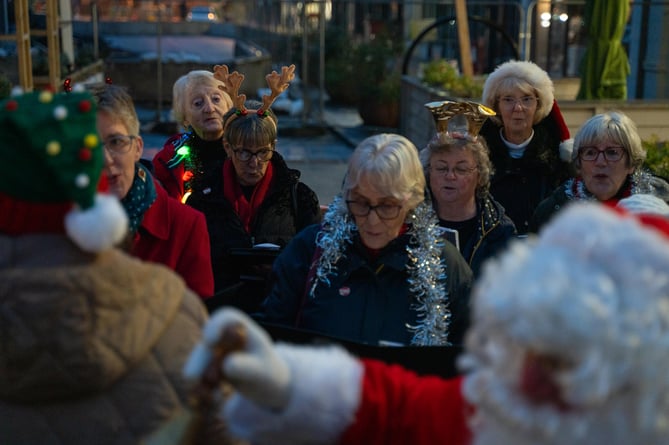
(566,149)
(98,228)
(16,91)
(645,204)
(60,113)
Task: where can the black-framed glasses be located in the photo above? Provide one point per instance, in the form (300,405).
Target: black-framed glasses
(118,144)
(611,154)
(383,211)
(511,102)
(458,171)
(245,155)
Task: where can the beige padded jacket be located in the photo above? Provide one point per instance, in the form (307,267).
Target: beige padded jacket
(91,346)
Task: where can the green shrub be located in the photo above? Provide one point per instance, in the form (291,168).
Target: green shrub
(657,159)
(441,74)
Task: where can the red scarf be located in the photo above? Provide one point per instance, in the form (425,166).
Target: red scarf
(232,191)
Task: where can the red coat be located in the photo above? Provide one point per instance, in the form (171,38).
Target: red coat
(399,407)
(176,235)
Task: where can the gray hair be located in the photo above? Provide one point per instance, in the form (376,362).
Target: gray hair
(115,101)
(615,126)
(392,163)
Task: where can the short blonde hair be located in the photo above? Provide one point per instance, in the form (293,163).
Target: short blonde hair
(615,126)
(391,163)
(115,101)
(185,83)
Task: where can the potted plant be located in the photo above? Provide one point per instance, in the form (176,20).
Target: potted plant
(377,75)
(443,75)
(340,67)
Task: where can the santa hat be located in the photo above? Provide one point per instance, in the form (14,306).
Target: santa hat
(52,162)
(560,128)
(548,110)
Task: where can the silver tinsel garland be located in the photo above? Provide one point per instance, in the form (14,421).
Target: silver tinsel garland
(336,230)
(640,182)
(427,276)
(427,279)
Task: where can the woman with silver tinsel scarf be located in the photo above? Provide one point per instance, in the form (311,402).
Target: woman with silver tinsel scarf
(608,157)
(376,270)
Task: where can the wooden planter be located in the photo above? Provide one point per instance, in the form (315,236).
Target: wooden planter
(379,114)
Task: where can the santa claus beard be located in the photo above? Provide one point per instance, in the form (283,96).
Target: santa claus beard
(504,417)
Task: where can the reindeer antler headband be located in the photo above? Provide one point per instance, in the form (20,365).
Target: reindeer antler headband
(278,83)
(475,113)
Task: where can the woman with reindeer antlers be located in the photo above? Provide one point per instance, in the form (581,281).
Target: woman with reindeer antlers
(254,198)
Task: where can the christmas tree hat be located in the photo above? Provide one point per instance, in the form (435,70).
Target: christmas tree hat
(52,164)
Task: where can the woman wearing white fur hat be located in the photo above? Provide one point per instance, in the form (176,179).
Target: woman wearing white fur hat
(549,360)
(527,139)
(608,156)
(92,341)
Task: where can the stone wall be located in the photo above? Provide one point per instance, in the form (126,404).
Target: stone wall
(651,117)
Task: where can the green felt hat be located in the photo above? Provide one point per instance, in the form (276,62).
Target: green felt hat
(51,149)
(52,160)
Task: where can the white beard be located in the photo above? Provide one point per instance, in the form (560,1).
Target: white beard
(504,418)
(598,301)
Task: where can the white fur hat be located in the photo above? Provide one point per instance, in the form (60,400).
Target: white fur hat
(518,72)
(528,72)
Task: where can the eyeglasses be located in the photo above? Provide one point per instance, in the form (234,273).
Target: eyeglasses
(383,211)
(118,145)
(244,155)
(611,154)
(511,102)
(458,171)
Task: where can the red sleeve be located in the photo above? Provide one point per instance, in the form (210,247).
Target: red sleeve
(400,407)
(170,179)
(195,261)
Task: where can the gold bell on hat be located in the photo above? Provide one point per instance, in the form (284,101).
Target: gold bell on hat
(474,115)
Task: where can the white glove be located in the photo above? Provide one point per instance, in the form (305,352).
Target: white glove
(256,372)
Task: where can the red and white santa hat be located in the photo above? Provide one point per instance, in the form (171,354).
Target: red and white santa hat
(508,74)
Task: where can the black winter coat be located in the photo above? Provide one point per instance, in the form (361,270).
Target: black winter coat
(493,232)
(639,182)
(368,300)
(289,207)
(519,185)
